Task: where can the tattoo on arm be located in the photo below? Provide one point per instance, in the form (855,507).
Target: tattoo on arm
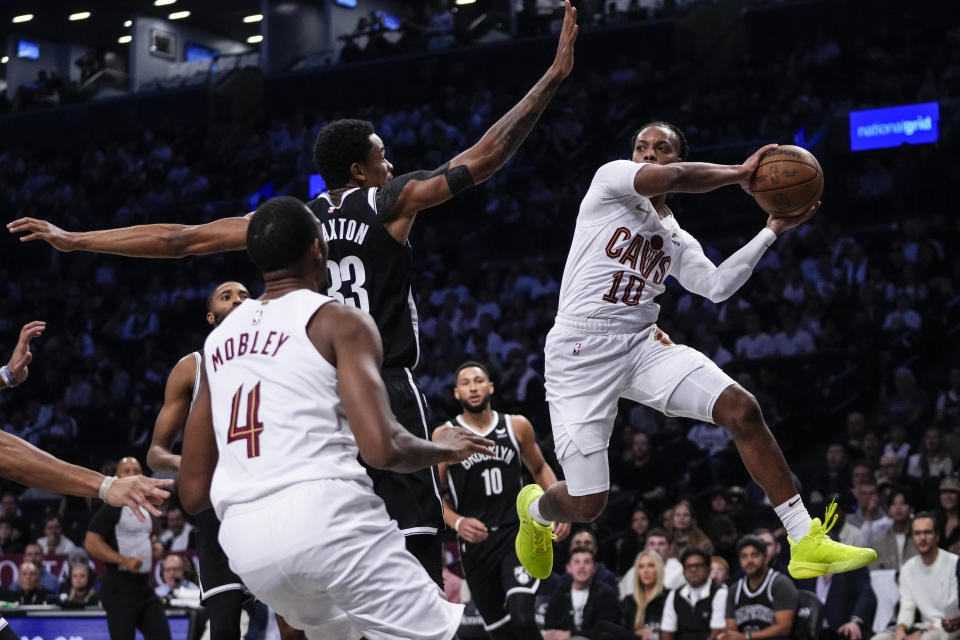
(458,178)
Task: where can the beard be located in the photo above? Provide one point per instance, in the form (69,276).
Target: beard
(480,408)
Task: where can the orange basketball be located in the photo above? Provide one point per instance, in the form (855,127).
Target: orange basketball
(787,181)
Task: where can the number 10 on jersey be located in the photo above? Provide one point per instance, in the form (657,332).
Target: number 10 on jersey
(251,430)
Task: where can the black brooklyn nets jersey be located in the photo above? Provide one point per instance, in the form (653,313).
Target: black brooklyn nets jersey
(368,268)
(486,487)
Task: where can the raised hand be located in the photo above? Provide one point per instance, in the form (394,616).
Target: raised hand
(779,225)
(139,491)
(563,62)
(21,353)
(460,444)
(750,165)
(42,230)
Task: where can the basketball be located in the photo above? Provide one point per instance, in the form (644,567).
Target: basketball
(787,181)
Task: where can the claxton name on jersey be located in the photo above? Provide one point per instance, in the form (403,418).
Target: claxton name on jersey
(248,344)
(645,255)
(344,229)
(504,454)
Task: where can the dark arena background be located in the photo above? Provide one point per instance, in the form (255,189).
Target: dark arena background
(847,331)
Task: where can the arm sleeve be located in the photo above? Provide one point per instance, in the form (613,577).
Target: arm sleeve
(669,620)
(908,606)
(555,611)
(866,602)
(104,520)
(785,595)
(698,275)
(718,617)
(387,195)
(615,179)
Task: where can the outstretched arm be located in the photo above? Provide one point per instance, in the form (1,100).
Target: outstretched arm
(173,415)
(533,459)
(141,241)
(490,153)
(200,455)
(23,463)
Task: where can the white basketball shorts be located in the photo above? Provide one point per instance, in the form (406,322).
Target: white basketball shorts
(591,364)
(326,557)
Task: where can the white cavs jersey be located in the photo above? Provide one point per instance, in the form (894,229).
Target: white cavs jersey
(622,252)
(277,414)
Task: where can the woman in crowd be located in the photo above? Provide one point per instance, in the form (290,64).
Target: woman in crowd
(686,533)
(81,594)
(634,539)
(642,610)
(949,519)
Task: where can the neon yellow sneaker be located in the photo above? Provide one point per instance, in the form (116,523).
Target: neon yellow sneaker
(534,541)
(815,554)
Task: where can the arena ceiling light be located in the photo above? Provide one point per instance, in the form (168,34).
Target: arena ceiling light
(463,2)
(81,15)
(125,39)
(257,17)
(128,23)
(162,3)
(255,39)
(178,15)
(27,17)
(4,59)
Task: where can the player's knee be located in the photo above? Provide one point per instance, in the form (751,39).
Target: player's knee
(740,412)
(588,508)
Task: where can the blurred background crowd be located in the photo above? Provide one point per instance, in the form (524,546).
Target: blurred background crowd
(847,331)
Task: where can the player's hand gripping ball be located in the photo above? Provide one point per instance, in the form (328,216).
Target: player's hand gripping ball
(787,181)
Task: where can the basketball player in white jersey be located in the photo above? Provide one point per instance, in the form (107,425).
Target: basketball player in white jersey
(290,394)
(605,345)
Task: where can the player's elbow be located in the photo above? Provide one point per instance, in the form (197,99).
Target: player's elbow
(386,456)
(153,458)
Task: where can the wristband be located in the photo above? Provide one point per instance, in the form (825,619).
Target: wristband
(105,487)
(8,378)
(456,525)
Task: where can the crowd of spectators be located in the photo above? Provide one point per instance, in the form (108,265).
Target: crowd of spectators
(846,332)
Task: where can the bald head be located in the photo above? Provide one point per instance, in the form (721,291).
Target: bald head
(128,466)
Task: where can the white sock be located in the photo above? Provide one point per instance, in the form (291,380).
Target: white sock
(794,517)
(535,513)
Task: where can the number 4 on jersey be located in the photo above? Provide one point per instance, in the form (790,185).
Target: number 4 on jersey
(251,430)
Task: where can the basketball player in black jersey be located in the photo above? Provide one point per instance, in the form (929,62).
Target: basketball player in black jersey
(367,216)
(483,490)
(221,590)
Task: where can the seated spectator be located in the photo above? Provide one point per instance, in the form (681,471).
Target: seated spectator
(893,543)
(53,540)
(754,344)
(792,340)
(686,533)
(867,510)
(659,540)
(719,570)
(172,570)
(928,588)
(696,610)
(584,606)
(834,477)
(848,603)
(947,408)
(179,534)
(633,540)
(9,542)
(638,468)
(34,553)
(29,590)
(932,463)
(763,600)
(584,539)
(642,609)
(949,514)
(81,592)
